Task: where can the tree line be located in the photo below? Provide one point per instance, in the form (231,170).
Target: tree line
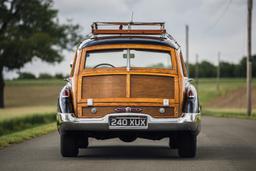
(31,76)
(227,70)
(205,70)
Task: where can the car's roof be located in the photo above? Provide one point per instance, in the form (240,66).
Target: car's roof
(107,40)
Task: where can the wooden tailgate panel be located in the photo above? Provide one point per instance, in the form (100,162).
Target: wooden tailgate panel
(143,86)
(104,86)
(102,111)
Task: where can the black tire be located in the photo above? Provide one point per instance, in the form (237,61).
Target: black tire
(173,142)
(82,142)
(68,145)
(187,145)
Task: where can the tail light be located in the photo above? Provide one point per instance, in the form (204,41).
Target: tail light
(65,93)
(190,94)
(65,101)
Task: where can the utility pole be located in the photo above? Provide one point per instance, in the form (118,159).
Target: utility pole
(249,58)
(187,48)
(218,73)
(197,72)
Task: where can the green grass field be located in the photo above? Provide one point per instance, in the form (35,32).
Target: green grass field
(26,134)
(30,97)
(208,88)
(15,112)
(208,95)
(31,93)
(30,109)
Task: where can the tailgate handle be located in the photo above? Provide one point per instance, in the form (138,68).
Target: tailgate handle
(165,102)
(89,102)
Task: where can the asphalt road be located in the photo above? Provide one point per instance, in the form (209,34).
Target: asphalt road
(223,144)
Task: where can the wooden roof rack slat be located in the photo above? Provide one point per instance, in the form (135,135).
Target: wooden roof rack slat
(121,30)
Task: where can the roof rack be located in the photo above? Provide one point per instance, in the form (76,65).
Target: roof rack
(126,28)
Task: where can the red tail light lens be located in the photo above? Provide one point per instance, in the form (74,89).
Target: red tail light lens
(66,93)
(190,94)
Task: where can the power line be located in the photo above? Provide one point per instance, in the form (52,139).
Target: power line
(220,17)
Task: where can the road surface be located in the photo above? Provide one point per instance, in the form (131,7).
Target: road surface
(223,144)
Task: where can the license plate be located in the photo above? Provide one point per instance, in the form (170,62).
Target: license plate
(128,122)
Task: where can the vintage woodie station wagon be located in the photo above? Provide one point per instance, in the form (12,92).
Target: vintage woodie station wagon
(128,81)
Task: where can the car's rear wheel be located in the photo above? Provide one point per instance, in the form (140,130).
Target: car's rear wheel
(173,142)
(68,145)
(82,142)
(187,145)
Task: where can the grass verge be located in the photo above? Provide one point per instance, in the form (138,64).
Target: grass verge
(26,134)
(18,129)
(229,114)
(8,126)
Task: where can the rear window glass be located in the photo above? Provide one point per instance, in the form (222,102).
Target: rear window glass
(128,58)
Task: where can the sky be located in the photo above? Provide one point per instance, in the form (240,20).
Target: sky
(214,26)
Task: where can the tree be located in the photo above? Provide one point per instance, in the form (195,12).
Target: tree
(59,76)
(227,69)
(206,69)
(45,76)
(241,67)
(192,70)
(26,75)
(29,29)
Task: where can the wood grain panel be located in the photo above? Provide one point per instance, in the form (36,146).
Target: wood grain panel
(144,86)
(152,111)
(104,86)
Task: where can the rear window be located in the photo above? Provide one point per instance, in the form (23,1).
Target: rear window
(132,58)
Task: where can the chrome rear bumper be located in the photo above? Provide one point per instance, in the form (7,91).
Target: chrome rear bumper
(189,122)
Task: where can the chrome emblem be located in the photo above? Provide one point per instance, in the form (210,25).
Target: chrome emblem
(128,110)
